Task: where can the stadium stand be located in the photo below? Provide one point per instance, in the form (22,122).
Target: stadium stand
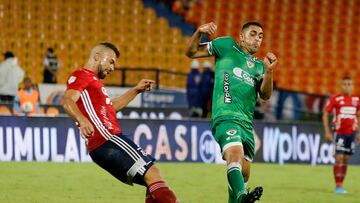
(73,27)
(312,58)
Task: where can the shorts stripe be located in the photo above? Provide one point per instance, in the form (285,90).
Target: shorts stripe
(135,157)
(136,168)
(134,152)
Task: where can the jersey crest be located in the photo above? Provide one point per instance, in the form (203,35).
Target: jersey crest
(250,63)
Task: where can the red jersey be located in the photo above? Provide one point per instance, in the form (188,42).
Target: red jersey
(345,109)
(96,105)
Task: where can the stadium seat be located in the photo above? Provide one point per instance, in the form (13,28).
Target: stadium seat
(5,111)
(52,111)
(287,32)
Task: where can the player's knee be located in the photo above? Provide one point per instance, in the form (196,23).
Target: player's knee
(339,158)
(152,175)
(233,165)
(234,154)
(346,159)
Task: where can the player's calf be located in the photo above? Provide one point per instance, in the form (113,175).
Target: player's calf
(158,191)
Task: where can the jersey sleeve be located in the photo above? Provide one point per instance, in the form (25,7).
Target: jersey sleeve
(330,105)
(77,81)
(260,75)
(219,46)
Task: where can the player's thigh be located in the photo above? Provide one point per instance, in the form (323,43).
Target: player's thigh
(344,145)
(228,136)
(123,159)
(248,141)
(234,154)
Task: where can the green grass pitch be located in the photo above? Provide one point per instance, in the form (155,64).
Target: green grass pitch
(34,182)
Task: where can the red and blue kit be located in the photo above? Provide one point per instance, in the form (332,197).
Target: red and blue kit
(345,110)
(96,105)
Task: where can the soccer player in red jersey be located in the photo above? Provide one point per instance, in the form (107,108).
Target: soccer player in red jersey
(87,102)
(345,107)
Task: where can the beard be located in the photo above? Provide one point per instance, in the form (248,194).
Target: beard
(101,72)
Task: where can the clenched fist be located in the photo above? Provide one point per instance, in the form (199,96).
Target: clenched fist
(270,61)
(209,28)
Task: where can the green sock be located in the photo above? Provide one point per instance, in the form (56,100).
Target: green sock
(232,198)
(236,181)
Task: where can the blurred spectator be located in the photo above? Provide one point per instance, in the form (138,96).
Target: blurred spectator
(27,100)
(193,89)
(288,105)
(51,66)
(206,88)
(10,76)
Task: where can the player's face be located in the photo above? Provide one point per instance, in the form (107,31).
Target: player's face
(251,38)
(347,86)
(27,83)
(106,64)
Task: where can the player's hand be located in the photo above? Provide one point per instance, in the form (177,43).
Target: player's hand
(270,61)
(209,28)
(328,136)
(86,128)
(145,85)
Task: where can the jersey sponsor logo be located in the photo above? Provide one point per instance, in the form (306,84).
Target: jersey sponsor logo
(243,75)
(71,79)
(105,117)
(348,110)
(227,96)
(231,132)
(104,91)
(339,98)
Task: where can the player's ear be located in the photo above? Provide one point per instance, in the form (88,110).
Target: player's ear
(97,57)
(241,36)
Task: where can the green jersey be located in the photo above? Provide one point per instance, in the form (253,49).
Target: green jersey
(238,76)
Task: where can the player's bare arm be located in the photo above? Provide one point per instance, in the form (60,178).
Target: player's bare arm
(70,99)
(270,61)
(194,48)
(358,130)
(122,101)
(325,120)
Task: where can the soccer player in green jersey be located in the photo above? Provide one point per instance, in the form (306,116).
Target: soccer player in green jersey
(239,79)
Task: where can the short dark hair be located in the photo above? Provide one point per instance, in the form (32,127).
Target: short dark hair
(112,47)
(51,50)
(346,77)
(8,54)
(248,24)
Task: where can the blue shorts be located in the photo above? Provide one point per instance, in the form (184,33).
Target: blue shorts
(345,144)
(123,159)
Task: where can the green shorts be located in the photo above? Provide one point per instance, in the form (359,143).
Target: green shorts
(231,133)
